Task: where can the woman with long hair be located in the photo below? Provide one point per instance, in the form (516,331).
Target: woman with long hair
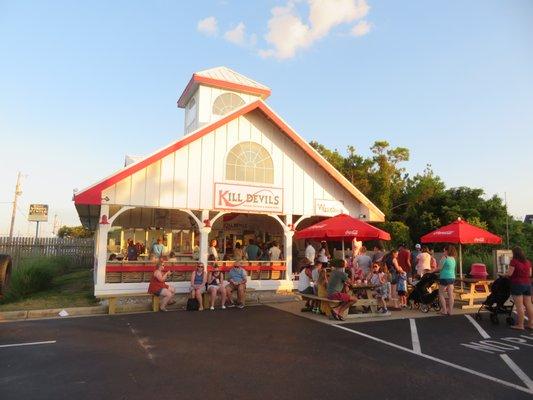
(447,279)
(520,276)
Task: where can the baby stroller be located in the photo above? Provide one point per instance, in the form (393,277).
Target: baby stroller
(500,291)
(422,296)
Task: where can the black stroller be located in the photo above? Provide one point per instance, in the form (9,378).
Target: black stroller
(500,291)
(422,296)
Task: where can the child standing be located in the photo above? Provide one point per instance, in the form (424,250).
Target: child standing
(377,277)
(402,287)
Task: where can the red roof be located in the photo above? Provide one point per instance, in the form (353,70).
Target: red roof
(224,78)
(93,194)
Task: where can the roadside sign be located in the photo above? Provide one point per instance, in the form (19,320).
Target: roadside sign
(38,213)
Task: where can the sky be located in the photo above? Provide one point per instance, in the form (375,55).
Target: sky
(82,84)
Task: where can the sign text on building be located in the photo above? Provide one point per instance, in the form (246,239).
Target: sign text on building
(329,208)
(248,198)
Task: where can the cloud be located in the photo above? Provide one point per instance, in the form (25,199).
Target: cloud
(208,26)
(288,33)
(361,28)
(238,36)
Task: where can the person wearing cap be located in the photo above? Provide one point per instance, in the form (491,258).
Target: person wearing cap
(158,287)
(198,279)
(237,281)
(215,284)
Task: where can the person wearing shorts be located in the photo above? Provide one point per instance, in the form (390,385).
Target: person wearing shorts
(337,283)
(198,280)
(158,287)
(520,277)
(447,280)
(216,284)
(237,281)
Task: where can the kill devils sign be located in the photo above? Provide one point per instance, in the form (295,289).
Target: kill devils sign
(248,198)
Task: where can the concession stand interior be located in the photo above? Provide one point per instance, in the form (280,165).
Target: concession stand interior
(238,173)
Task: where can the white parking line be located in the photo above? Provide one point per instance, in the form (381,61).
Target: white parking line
(414,336)
(440,361)
(506,359)
(27,344)
(481,331)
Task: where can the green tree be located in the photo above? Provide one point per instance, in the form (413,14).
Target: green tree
(74,232)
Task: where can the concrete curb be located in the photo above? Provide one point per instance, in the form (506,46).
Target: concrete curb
(6,316)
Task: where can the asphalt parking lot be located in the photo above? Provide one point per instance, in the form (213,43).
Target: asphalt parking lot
(262,353)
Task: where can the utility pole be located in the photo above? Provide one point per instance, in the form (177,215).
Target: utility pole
(506,219)
(18,192)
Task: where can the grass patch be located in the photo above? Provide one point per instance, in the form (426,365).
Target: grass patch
(72,289)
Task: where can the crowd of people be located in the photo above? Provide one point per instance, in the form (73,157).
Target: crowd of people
(391,272)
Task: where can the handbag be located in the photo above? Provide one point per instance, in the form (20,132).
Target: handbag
(193,305)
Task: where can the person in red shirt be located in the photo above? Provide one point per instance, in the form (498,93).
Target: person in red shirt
(520,277)
(404,258)
(158,287)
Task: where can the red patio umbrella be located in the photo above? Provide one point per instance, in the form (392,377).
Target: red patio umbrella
(461,232)
(342,227)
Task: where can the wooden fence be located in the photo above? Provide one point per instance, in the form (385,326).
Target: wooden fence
(79,251)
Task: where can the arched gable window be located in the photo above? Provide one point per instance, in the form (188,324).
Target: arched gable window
(226,103)
(249,162)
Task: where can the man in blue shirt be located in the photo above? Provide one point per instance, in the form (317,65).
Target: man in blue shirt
(237,281)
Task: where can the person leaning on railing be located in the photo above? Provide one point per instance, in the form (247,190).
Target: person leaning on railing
(158,287)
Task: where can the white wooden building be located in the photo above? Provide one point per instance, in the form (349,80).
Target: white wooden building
(239,168)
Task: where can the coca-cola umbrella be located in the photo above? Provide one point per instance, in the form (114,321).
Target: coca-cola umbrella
(342,227)
(461,232)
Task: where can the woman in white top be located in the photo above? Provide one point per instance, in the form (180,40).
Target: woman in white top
(423,262)
(323,254)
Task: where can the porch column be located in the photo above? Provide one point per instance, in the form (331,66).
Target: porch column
(101,246)
(204,237)
(288,235)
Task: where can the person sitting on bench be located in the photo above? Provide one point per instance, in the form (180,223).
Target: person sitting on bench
(337,284)
(237,281)
(304,285)
(158,287)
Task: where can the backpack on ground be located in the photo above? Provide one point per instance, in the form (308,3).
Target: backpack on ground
(193,305)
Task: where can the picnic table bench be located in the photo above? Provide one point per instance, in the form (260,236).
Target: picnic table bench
(327,304)
(477,289)
(112,299)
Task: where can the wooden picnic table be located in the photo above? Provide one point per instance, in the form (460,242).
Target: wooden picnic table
(370,301)
(476,289)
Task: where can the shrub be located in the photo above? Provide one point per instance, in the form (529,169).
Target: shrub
(33,275)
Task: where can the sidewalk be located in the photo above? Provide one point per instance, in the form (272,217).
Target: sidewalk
(295,307)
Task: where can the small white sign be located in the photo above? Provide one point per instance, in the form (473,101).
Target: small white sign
(329,208)
(248,198)
(38,213)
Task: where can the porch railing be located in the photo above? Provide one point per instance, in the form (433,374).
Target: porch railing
(142,271)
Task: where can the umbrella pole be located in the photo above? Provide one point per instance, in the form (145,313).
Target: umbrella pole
(343,249)
(461,266)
